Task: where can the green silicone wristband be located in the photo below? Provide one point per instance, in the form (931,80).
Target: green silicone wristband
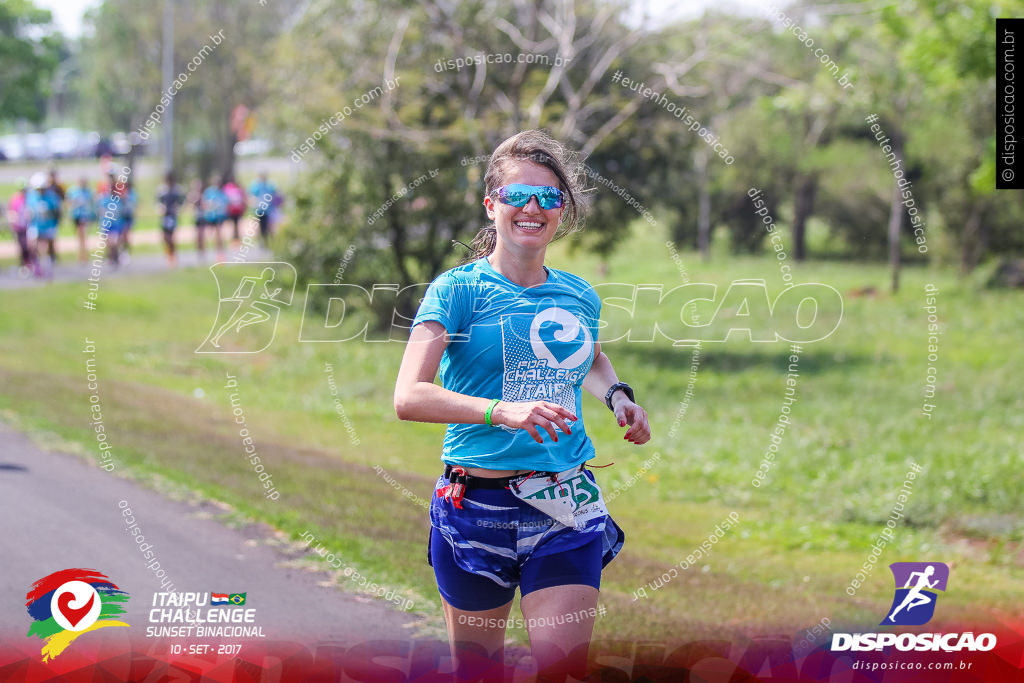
(487,415)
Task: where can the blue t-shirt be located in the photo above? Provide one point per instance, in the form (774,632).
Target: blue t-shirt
(109,209)
(259,191)
(128,204)
(215,204)
(81,201)
(43,206)
(517,344)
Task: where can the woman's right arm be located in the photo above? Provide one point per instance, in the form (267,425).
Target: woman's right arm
(417,398)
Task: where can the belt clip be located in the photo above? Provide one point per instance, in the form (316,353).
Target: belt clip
(457,486)
(553,476)
(520,479)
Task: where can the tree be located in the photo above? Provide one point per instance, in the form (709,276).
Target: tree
(122,81)
(444,119)
(30,50)
(952,49)
(733,75)
(120,53)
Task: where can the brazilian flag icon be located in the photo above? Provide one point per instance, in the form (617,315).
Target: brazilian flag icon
(237,598)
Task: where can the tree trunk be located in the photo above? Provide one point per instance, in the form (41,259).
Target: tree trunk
(974,237)
(225,149)
(229,157)
(700,163)
(130,158)
(804,191)
(895,228)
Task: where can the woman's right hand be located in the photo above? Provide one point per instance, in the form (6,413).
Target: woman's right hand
(530,415)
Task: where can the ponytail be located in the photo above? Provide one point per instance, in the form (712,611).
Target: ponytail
(483,244)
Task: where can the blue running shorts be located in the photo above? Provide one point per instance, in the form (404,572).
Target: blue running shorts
(480,553)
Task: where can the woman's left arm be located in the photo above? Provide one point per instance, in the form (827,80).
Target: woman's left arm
(599,379)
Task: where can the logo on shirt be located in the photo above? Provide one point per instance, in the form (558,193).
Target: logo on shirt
(546,356)
(558,337)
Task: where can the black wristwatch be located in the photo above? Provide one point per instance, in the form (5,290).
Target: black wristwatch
(615,387)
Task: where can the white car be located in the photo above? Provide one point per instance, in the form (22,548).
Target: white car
(63,142)
(120,144)
(253,147)
(87,144)
(11,148)
(35,146)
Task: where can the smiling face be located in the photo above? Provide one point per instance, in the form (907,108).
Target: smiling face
(528,228)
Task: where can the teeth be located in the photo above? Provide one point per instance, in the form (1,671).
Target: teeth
(528,224)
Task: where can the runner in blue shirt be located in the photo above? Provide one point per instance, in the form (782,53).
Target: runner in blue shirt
(516,342)
(129,202)
(44,206)
(82,204)
(264,199)
(109,209)
(215,212)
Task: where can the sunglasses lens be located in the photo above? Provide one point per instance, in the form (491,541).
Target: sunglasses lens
(550,198)
(519,196)
(514,197)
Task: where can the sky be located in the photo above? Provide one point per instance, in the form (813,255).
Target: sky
(68,13)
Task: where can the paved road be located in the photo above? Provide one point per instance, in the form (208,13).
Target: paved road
(58,512)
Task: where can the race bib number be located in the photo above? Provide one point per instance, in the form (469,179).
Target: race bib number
(573,501)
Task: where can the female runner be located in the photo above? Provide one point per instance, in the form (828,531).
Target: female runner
(515,342)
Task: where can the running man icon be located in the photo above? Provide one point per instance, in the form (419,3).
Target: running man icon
(916,586)
(915,597)
(252,303)
(250,311)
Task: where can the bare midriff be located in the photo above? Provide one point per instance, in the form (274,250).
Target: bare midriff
(481,472)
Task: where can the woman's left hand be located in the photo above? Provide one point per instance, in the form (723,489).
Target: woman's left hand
(627,412)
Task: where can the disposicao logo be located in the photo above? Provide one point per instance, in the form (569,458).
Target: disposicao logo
(69,603)
(916,584)
(917,590)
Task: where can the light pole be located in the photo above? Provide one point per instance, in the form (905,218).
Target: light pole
(168,77)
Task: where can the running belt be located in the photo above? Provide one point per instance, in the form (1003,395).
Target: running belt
(472,482)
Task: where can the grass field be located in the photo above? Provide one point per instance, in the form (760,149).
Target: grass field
(801,537)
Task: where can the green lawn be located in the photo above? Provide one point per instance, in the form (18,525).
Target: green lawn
(802,536)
